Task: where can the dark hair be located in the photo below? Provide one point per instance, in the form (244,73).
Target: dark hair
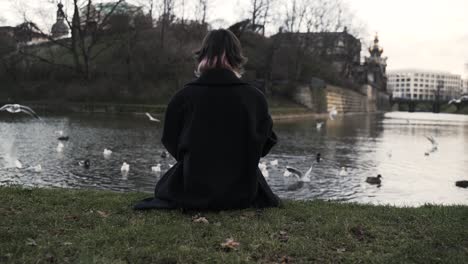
(220,49)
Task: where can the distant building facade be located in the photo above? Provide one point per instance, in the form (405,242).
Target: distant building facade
(413,84)
(465,86)
(110,11)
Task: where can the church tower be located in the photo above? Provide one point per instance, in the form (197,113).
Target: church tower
(376,66)
(60,29)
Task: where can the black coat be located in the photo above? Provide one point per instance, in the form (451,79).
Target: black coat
(217,128)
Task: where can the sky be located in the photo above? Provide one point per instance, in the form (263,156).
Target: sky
(422,34)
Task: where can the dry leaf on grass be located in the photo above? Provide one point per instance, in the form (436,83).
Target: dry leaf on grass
(200,219)
(230,244)
(31,242)
(102,214)
(340,250)
(283,236)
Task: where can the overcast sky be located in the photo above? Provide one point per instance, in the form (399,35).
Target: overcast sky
(424,34)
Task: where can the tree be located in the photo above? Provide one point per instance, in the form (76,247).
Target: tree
(259,12)
(201,11)
(88,27)
(166,18)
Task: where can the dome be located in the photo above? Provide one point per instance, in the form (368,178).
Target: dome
(59,29)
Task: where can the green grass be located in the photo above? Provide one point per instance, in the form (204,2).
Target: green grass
(82,226)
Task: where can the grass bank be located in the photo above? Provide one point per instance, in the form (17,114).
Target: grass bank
(82,226)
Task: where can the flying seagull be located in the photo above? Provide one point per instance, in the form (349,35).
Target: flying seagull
(302,177)
(152,118)
(16,108)
(319,125)
(333,112)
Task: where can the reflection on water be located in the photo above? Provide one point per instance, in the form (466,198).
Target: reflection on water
(392,145)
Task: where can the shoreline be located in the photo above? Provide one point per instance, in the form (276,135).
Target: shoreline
(70,226)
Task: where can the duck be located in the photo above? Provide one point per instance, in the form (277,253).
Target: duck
(156,168)
(318,157)
(63,138)
(274,163)
(462,184)
(125,167)
(84,163)
(374,180)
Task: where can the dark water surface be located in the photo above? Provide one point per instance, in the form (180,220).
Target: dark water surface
(392,145)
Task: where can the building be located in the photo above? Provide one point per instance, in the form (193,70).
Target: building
(60,29)
(374,69)
(465,86)
(108,12)
(413,84)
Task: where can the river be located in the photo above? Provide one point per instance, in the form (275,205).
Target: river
(392,144)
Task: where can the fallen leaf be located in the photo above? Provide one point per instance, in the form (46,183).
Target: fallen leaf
(67,243)
(31,242)
(103,214)
(200,219)
(230,244)
(283,236)
(340,250)
(285,260)
(71,217)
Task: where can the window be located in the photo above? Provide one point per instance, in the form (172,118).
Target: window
(415,85)
(408,80)
(408,90)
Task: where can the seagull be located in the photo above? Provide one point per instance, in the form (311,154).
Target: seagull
(18,164)
(274,162)
(37,168)
(287,173)
(16,108)
(107,152)
(333,112)
(156,168)
(319,125)
(60,147)
(434,145)
(125,167)
(302,177)
(456,101)
(152,118)
(59,132)
(263,168)
(344,171)
(432,140)
(374,180)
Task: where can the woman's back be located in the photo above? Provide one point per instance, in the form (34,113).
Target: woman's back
(217,128)
(225,126)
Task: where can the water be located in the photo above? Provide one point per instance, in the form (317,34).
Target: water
(392,145)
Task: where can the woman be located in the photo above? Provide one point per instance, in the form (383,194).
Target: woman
(217,128)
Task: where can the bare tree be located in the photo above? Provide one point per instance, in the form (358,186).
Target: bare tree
(201,10)
(166,18)
(259,12)
(87,30)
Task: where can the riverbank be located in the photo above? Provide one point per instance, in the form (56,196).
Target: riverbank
(70,226)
